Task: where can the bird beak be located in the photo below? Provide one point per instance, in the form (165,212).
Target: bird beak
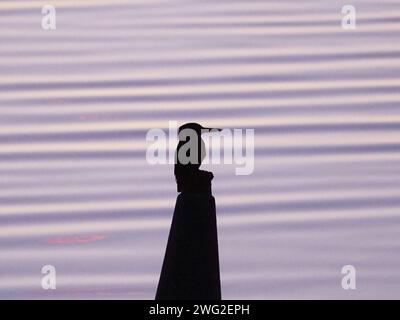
(213,129)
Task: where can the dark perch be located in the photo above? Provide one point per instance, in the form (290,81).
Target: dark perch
(191,264)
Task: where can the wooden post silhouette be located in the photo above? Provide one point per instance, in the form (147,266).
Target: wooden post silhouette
(191,263)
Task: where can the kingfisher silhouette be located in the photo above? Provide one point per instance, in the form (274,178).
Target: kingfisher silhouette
(191,263)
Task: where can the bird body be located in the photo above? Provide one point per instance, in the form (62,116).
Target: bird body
(189,155)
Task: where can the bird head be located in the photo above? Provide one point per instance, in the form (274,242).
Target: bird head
(185,136)
(198,128)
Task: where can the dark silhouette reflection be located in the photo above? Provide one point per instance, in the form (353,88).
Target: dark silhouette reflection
(191,264)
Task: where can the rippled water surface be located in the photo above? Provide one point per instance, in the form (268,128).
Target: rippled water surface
(76,191)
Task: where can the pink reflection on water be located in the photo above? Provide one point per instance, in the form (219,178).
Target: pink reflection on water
(76,239)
